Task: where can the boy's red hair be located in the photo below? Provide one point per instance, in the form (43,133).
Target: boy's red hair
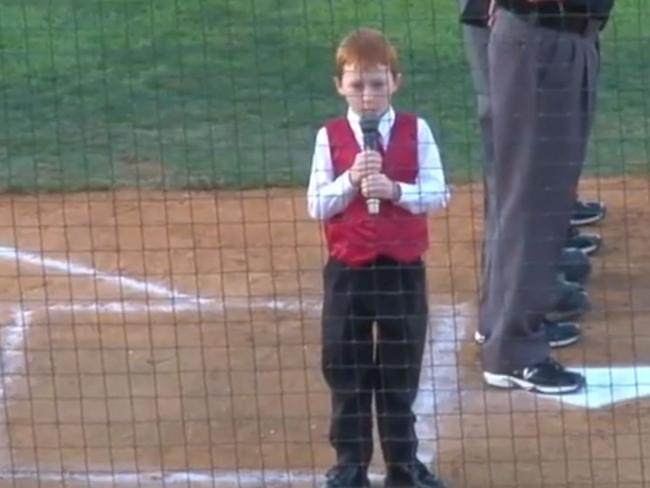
(365,48)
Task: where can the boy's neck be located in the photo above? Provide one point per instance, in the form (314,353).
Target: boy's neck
(379,116)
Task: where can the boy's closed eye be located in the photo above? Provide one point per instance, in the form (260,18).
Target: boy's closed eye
(375,85)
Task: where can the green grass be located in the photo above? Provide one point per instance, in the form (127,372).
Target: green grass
(203,93)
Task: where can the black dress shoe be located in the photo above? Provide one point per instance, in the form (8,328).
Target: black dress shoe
(572,301)
(558,334)
(413,476)
(587,243)
(575,266)
(561,334)
(585,213)
(347,477)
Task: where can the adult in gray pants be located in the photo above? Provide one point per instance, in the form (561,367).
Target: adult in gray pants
(542,72)
(573,266)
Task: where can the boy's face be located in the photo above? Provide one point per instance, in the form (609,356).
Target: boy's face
(367,90)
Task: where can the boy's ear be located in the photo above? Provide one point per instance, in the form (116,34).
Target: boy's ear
(397,82)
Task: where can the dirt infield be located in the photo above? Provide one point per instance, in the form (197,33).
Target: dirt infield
(172,339)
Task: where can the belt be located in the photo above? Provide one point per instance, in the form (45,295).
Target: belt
(561,20)
(576,24)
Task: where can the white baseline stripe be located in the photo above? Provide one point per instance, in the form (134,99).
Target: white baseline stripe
(72,269)
(308,306)
(220,479)
(203,305)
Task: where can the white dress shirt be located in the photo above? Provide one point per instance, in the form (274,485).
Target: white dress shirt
(329,195)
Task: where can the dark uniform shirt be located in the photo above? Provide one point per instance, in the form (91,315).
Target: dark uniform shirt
(593,8)
(476,11)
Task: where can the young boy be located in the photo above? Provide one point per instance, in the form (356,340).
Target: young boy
(375,271)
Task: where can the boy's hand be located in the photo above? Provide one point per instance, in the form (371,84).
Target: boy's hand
(379,186)
(366,163)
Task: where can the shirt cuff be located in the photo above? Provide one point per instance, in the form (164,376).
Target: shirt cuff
(347,188)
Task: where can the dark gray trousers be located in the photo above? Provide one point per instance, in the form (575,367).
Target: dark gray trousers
(542,86)
(476,46)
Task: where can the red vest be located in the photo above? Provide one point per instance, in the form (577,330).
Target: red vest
(356,237)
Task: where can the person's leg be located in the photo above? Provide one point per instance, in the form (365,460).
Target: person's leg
(347,363)
(401,332)
(541,82)
(476,42)
(402,317)
(476,46)
(587,212)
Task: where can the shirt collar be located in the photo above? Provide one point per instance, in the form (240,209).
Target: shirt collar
(386,122)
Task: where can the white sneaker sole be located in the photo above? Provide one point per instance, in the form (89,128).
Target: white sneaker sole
(592,220)
(506,381)
(566,342)
(582,223)
(587,250)
(590,250)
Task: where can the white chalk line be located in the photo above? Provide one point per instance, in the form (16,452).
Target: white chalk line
(12,337)
(179,301)
(221,479)
(202,305)
(73,269)
(309,307)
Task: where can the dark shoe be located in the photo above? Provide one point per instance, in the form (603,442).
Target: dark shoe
(548,377)
(415,476)
(561,334)
(572,302)
(347,477)
(587,243)
(558,334)
(574,266)
(586,213)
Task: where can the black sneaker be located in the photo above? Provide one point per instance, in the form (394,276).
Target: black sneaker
(587,243)
(415,476)
(561,334)
(347,477)
(586,213)
(572,302)
(558,334)
(548,377)
(574,266)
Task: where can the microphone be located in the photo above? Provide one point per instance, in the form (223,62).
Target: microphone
(370,130)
